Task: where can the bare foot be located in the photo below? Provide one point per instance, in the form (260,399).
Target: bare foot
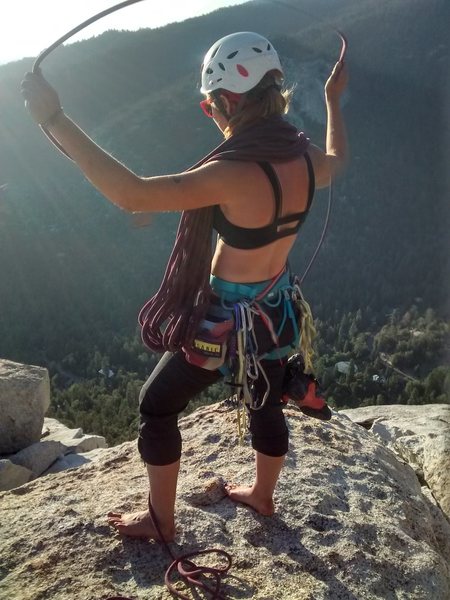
(247,495)
(139,525)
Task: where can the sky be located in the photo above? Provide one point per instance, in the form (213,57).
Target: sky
(29,26)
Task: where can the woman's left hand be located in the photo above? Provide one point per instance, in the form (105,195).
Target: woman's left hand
(337,82)
(41,100)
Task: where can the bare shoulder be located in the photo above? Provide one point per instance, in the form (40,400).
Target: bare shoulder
(225,180)
(216,182)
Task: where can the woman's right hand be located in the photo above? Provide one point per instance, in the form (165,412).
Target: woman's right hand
(41,100)
(337,82)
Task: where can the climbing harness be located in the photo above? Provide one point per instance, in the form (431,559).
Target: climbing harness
(271,320)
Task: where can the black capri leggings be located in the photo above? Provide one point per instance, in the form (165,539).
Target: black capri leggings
(168,391)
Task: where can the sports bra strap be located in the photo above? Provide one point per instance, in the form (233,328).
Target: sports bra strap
(275,183)
(298,217)
(247,237)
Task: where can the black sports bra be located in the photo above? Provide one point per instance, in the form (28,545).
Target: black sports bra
(247,238)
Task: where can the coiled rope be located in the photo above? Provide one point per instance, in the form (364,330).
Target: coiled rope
(188,571)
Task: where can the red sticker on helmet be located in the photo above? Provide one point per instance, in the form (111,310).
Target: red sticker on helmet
(242,70)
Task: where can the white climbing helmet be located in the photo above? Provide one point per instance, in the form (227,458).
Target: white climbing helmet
(238,62)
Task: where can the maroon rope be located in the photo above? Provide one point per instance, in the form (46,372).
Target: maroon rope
(182,299)
(189,572)
(61,40)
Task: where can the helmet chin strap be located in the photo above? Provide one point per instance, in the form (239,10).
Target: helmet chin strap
(240,104)
(220,105)
(237,99)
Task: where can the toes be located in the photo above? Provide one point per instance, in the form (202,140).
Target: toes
(114,514)
(114,522)
(125,530)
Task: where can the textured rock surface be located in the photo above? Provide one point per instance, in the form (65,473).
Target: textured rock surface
(24,398)
(60,448)
(54,430)
(38,457)
(12,476)
(351,522)
(71,461)
(420,435)
(73,440)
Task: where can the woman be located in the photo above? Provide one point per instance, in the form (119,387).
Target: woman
(256,189)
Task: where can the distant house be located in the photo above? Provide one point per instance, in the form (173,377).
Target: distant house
(378,378)
(416,332)
(108,375)
(343,366)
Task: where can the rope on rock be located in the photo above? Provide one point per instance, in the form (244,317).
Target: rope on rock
(189,572)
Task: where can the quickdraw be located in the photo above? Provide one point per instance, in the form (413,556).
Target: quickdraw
(244,360)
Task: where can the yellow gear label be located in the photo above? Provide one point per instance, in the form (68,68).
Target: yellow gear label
(208,348)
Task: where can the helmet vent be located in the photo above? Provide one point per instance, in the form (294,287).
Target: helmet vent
(269,47)
(221,66)
(242,71)
(232,55)
(257,50)
(215,52)
(209,71)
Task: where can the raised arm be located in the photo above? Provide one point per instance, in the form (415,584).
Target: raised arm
(184,191)
(331,162)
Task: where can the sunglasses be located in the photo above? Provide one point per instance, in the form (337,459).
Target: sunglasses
(206,106)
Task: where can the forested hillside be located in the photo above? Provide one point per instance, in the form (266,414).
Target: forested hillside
(74,269)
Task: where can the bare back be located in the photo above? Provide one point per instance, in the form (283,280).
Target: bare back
(255,208)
